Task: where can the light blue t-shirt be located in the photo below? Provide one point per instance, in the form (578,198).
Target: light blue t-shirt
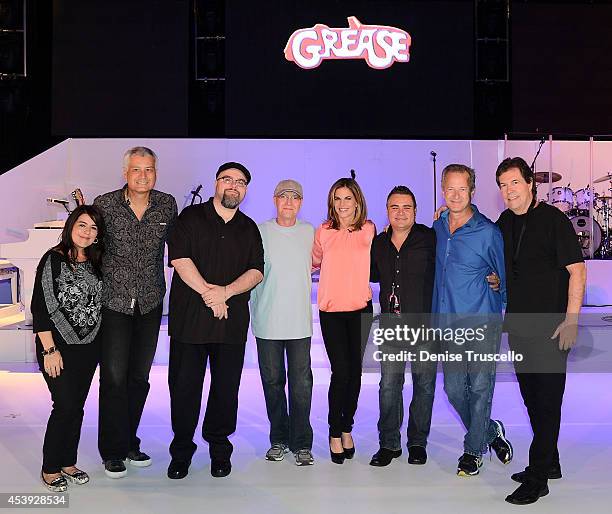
(280,304)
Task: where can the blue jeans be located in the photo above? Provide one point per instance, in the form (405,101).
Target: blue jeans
(469,386)
(391,403)
(289,426)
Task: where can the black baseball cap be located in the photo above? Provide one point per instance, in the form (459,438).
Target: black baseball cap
(234,166)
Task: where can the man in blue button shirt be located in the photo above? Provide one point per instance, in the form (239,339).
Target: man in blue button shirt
(470,247)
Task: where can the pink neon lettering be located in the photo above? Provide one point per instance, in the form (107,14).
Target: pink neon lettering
(379,45)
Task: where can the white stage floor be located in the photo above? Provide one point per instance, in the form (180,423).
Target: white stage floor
(259,486)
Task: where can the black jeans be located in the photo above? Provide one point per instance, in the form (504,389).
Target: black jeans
(128,348)
(186,369)
(68,392)
(543,396)
(292,429)
(391,403)
(345,335)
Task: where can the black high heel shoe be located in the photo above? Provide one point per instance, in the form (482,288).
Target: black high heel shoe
(349,453)
(336,458)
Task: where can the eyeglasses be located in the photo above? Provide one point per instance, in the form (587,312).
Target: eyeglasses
(229,181)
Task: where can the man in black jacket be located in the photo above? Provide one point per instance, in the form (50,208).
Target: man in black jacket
(403,261)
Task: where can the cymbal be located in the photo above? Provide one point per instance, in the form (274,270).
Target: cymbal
(606,198)
(605,178)
(541,177)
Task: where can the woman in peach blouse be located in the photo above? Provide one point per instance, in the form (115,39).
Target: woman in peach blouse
(342,250)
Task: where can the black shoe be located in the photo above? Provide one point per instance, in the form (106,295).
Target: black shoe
(349,453)
(529,492)
(554,473)
(178,469)
(469,465)
(384,456)
(138,459)
(417,455)
(114,468)
(500,445)
(337,458)
(220,468)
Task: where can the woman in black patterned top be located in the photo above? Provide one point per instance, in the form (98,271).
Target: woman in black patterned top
(66,308)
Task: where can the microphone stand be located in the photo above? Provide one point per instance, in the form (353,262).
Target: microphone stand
(195,194)
(435,181)
(536,155)
(535,185)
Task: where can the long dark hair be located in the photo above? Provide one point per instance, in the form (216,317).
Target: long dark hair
(93,252)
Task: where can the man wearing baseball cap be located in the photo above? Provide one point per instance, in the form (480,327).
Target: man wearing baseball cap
(281,315)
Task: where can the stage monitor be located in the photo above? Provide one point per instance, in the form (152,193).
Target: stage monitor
(349,69)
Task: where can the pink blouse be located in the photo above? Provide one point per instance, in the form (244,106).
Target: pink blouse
(344,259)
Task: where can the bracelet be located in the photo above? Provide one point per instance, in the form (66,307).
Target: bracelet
(50,351)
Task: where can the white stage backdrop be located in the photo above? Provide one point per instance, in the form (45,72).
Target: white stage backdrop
(94,165)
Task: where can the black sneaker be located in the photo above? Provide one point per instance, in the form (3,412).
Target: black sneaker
(500,445)
(469,465)
(114,468)
(138,459)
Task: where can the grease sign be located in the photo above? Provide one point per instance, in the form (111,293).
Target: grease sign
(379,45)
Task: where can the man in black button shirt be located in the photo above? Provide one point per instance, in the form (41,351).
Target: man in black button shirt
(217,254)
(403,261)
(137,219)
(545,276)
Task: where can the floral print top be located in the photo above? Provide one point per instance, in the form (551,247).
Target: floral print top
(67,299)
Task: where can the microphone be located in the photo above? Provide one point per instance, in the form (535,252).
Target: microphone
(433,154)
(55,200)
(353,174)
(197,190)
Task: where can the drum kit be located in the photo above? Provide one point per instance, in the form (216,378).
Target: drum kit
(578,206)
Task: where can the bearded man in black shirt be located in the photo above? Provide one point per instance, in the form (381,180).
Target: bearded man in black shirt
(217,254)
(545,280)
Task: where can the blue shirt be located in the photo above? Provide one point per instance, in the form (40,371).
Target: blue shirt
(463,260)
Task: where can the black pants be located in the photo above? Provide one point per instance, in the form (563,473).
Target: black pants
(345,335)
(128,348)
(543,396)
(186,369)
(68,392)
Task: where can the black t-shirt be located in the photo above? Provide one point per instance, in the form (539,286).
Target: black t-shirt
(537,279)
(221,252)
(411,269)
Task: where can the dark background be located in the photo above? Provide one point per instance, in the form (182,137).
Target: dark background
(562,67)
(215,68)
(430,96)
(120,68)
